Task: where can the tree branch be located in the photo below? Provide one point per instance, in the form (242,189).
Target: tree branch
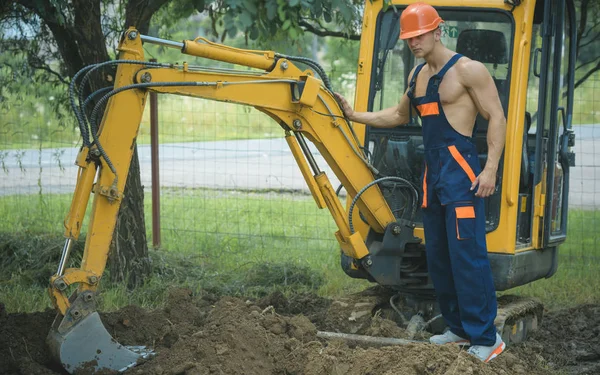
(49,70)
(592,40)
(586,63)
(139,12)
(324,32)
(588,74)
(588,31)
(582,22)
(44,9)
(63,35)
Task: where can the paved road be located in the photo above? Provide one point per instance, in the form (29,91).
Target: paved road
(253,164)
(245,164)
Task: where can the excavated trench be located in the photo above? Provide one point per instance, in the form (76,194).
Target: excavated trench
(277,335)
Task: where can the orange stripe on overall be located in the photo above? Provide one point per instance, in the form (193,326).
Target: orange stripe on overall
(462,162)
(429,109)
(466,212)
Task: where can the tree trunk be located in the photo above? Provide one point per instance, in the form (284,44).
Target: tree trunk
(80,41)
(128,258)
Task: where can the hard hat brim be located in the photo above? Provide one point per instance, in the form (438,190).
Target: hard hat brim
(411,34)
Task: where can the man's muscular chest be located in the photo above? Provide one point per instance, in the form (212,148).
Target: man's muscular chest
(450,89)
(459,108)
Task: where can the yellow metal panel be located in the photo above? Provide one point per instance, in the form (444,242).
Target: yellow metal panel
(357,243)
(334,205)
(458,3)
(524,249)
(363,82)
(354,246)
(311,90)
(82,156)
(503,239)
(79,203)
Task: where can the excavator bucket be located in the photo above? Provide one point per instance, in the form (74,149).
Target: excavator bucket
(82,343)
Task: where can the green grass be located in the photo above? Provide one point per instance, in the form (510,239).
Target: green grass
(222,242)
(583,237)
(570,286)
(576,280)
(181,119)
(239,243)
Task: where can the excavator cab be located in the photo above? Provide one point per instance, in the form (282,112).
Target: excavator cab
(529,49)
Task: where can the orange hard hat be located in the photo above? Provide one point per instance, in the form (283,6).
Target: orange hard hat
(418,19)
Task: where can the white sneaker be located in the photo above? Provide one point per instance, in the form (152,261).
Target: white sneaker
(487,353)
(448,338)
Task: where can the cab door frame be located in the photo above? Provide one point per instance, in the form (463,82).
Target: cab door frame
(557,29)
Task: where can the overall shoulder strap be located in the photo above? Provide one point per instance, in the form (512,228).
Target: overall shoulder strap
(449,65)
(411,91)
(413,81)
(436,79)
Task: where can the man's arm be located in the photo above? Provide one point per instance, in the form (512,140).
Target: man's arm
(481,88)
(386,118)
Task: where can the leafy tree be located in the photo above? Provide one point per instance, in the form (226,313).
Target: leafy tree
(265,20)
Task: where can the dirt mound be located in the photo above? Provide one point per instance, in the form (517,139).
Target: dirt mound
(568,340)
(278,335)
(23,348)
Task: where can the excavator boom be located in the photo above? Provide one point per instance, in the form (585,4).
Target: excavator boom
(297,101)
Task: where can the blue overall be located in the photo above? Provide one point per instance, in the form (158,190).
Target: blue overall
(454,220)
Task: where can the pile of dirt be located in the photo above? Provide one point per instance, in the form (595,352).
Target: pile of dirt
(23,348)
(568,340)
(278,335)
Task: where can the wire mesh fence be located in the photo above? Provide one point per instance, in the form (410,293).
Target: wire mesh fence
(236,187)
(230,188)
(583,240)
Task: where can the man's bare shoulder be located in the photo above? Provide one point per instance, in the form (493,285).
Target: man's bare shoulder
(412,72)
(470,71)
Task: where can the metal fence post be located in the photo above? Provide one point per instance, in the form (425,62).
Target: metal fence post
(155,168)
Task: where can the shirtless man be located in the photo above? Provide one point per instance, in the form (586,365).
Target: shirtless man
(447,92)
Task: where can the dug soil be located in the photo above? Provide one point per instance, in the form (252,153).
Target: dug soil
(278,335)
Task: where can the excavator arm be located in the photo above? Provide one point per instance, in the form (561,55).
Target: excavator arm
(300,103)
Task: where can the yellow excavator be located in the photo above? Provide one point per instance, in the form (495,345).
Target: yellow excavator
(528,47)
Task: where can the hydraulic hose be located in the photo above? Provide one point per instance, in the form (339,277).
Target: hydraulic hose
(313,64)
(387,178)
(79,111)
(80,119)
